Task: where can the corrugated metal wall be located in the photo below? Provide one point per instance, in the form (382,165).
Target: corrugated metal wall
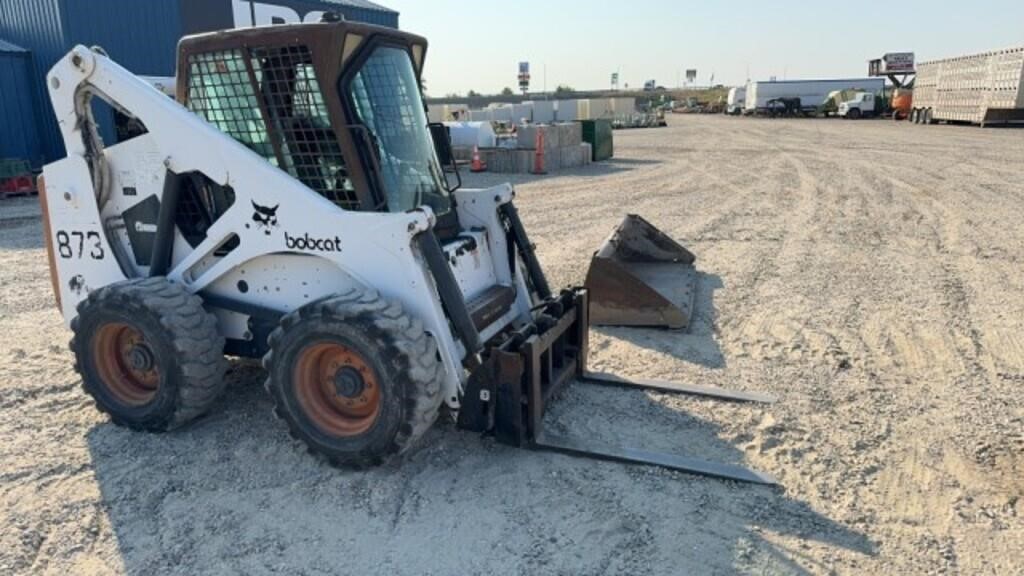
(19,130)
(36,25)
(140,35)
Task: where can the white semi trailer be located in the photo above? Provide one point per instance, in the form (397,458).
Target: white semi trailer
(812,93)
(980,89)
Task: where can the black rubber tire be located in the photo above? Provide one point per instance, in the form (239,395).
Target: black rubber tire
(915,116)
(928,115)
(187,348)
(854,114)
(403,356)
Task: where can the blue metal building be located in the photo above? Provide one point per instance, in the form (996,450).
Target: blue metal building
(141,35)
(19,115)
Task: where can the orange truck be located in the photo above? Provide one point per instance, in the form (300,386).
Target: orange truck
(901,70)
(902,102)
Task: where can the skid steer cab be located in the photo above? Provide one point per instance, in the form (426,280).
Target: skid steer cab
(290,206)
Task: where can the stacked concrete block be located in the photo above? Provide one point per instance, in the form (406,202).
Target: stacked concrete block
(449,113)
(567,111)
(575,156)
(570,157)
(504,114)
(523,113)
(456,113)
(508,161)
(481,115)
(462,154)
(570,134)
(544,111)
(563,148)
(588,153)
(527,135)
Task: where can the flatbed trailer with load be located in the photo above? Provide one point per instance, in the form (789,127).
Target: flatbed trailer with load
(981,89)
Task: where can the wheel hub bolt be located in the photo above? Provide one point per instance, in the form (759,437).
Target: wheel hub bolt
(141,358)
(349,383)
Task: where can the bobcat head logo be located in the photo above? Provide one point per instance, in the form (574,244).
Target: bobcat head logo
(77,285)
(265,218)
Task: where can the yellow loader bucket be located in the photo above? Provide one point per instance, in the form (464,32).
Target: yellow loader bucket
(641,277)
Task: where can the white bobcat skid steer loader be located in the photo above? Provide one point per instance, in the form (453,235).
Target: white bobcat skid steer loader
(290,206)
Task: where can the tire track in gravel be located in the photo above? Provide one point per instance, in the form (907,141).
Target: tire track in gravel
(758,331)
(696,191)
(952,417)
(949,250)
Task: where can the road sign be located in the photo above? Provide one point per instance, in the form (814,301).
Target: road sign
(524,77)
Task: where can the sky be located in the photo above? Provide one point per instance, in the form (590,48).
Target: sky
(478,45)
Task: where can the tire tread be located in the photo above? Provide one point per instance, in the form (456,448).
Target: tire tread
(192,332)
(403,338)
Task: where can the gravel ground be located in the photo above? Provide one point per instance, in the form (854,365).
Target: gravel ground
(869,274)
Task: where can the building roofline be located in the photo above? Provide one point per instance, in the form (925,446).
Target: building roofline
(364,4)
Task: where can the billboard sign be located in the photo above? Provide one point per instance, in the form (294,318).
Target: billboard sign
(899,62)
(691,76)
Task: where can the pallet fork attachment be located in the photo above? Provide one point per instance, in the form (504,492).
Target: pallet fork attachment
(508,395)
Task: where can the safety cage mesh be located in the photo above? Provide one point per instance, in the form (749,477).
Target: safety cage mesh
(269,99)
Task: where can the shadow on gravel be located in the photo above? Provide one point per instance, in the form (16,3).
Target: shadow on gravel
(622,162)
(233,494)
(696,346)
(704,526)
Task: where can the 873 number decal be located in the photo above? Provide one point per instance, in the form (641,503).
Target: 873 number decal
(79,245)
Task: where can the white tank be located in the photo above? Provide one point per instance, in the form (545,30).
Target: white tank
(469,134)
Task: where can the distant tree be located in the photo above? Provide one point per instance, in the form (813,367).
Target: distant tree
(453,95)
(472,94)
(506,91)
(564,89)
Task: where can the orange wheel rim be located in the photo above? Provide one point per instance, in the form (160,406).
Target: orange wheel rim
(337,388)
(126,363)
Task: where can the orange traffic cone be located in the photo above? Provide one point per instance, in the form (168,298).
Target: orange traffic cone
(538,159)
(478,164)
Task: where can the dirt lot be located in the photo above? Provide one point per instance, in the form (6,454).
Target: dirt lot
(868,274)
